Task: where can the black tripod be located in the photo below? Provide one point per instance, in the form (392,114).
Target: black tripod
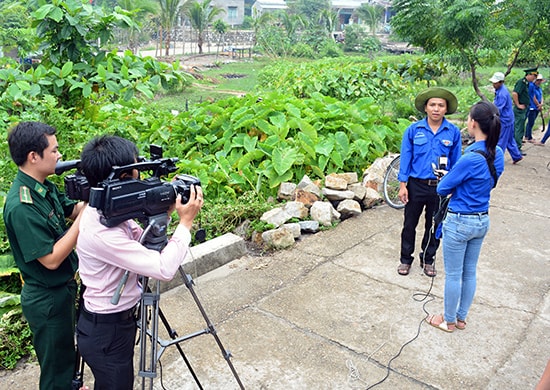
(151,346)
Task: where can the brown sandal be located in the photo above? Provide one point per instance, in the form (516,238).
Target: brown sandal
(429,270)
(403,269)
(460,324)
(437,321)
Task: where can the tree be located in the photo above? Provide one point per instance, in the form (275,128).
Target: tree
(471,33)
(308,9)
(329,19)
(258,22)
(291,23)
(221,28)
(169,10)
(372,15)
(15,33)
(139,9)
(201,15)
(75,69)
(74,30)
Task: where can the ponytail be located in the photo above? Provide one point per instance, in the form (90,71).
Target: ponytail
(486,114)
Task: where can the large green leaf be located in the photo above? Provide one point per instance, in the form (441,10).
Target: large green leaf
(66,69)
(283,159)
(249,157)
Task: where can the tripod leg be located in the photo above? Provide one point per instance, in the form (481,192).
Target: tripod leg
(78,380)
(149,299)
(173,335)
(226,354)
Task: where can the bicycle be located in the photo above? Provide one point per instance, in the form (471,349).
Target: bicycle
(391,184)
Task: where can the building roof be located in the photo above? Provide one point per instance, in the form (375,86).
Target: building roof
(271,3)
(281,4)
(357,3)
(348,3)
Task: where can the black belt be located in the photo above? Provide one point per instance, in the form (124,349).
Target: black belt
(109,318)
(428,182)
(478,213)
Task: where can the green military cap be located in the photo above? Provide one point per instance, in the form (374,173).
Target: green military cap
(532,70)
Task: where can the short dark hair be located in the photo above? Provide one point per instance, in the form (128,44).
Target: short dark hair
(28,137)
(101,154)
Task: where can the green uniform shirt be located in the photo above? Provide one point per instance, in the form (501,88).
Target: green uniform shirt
(34,215)
(522,89)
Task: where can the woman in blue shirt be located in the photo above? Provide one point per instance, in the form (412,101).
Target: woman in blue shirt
(469,183)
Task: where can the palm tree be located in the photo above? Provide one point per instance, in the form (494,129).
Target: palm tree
(201,15)
(292,24)
(140,8)
(329,19)
(221,28)
(258,22)
(169,10)
(372,15)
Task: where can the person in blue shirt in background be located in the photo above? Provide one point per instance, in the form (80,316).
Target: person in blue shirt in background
(469,183)
(545,137)
(432,140)
(503,101)
(535,106)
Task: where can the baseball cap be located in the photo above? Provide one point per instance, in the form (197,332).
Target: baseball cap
(497,77)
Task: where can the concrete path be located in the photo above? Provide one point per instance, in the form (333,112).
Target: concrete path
(332,312)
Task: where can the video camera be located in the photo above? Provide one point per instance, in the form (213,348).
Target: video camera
(119,199)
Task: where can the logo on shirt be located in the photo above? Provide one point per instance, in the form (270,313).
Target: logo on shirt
(446,142)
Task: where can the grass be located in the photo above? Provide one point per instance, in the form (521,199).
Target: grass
(216,83)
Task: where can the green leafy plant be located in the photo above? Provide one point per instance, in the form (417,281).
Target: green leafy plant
(350,78)
(223,215)
(15,337)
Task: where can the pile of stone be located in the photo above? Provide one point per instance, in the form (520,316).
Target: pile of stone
(310,205)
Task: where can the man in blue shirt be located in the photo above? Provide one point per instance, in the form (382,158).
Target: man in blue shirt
(503,101)
(432,140)
(535,106)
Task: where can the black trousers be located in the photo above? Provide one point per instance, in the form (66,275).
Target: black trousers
(108,349)
(422,197)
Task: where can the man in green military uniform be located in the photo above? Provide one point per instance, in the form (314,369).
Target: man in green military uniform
(42,246)
(520,96)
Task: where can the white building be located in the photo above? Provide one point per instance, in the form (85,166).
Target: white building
(263,6)
(344,8)
(234,11)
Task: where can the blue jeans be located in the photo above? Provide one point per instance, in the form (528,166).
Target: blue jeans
(462,239)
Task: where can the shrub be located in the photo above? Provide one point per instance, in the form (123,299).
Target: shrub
(302,50)
(15,339)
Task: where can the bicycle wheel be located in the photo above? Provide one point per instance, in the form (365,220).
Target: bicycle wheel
(391,185)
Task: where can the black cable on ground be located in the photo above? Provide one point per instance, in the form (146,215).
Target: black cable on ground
(418,297)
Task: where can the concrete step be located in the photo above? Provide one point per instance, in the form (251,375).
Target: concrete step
(208,256)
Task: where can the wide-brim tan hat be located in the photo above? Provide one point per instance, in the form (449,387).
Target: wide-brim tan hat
(436,92)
